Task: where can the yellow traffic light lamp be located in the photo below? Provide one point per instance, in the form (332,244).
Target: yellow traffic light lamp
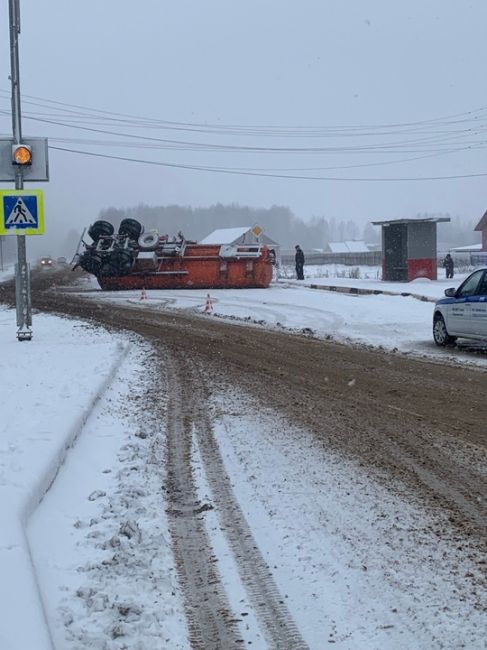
(21,154)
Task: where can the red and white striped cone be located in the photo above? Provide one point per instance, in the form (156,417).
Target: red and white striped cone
(143,295)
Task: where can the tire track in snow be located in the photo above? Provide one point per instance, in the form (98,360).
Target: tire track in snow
(210,622)
(269,605)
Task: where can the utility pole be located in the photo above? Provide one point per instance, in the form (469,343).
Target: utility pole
(22,275)
(21,211)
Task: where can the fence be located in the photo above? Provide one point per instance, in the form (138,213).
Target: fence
(369,258)
(465,261)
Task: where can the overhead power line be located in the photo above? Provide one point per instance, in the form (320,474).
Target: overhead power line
(224,148)
(250,129)
(424,139)
(124,144)
(222,170)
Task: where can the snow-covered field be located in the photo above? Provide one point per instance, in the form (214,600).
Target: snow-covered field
(84,548)
(369,277)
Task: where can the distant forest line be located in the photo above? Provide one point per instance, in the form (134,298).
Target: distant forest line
(278,222)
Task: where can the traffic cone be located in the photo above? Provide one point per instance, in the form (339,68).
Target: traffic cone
(143,295)
(208,305)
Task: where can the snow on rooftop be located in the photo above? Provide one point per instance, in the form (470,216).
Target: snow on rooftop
(349,246)
(225,235)
(357,246)
(338,247)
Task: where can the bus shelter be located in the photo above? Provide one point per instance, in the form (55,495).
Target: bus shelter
(482,227)
(409,249)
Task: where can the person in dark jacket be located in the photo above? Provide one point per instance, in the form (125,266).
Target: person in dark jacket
(448,265)
(299,257)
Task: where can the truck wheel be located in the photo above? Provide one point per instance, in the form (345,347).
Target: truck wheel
(149,241)
(99,229)
(90,262)
(131,228)
(108,269)
(122,260)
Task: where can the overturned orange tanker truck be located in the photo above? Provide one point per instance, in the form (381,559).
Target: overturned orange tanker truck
(134,259)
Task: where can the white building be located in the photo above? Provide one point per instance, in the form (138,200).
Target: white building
(242,235)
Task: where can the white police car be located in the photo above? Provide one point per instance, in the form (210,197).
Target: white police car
(463,311)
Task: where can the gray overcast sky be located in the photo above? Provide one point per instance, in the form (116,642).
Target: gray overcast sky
(312,63)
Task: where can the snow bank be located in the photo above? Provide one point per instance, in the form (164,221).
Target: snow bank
(100,538)
(49,387)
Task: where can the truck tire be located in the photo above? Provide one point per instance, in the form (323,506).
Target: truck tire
(108,269)
(131,228)
(149,241)
(122,260)
(91,262)
(99,229)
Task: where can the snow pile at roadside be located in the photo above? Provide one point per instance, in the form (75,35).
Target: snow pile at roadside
(106,566)
(49,387)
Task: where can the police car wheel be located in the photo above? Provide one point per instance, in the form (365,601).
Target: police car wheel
(440,333)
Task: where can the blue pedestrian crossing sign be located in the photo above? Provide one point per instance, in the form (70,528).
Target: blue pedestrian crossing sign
(21,212)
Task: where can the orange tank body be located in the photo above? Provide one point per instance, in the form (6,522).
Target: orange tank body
(198,266)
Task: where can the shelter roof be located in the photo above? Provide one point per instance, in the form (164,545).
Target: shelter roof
(482,224)
(466,249)
(406,221)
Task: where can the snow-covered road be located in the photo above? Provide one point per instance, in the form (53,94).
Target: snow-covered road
(357,564)
(392,322)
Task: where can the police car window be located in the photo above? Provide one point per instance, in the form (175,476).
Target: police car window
(482,288)
(469,287)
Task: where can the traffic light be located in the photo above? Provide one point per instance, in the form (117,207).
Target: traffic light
(21,154)
(28,157)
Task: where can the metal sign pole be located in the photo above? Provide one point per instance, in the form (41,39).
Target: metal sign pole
(24,315)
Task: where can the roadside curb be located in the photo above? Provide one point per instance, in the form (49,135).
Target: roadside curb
(358,291)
